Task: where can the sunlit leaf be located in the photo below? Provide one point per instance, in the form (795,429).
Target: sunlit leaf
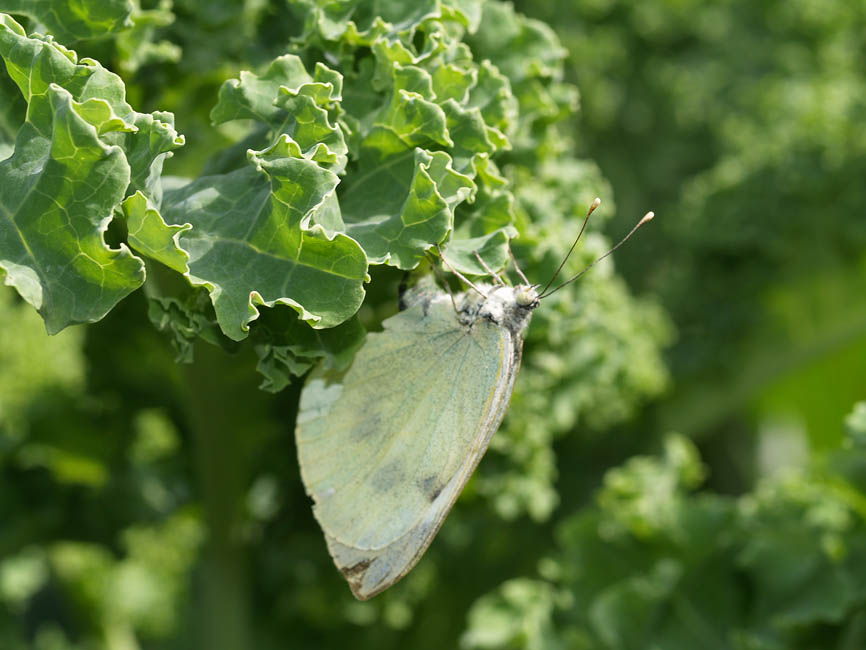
(259,218)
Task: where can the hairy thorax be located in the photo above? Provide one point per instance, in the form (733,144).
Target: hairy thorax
(509,307)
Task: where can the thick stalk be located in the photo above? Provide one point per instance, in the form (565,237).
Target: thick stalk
(221,396)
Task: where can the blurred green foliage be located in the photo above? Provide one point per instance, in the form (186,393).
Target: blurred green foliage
(740,124)
(147,504)
(659,565)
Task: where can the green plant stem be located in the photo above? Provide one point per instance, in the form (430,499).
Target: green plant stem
(214,387)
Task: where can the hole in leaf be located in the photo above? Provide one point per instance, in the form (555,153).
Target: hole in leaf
(116,233)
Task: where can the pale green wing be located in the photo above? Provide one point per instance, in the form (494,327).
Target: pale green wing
(385,452)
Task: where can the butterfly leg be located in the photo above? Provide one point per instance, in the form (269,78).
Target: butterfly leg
(445,284)
(459,274)
(516,268)
(490,271)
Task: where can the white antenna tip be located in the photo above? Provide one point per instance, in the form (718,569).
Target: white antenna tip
(647,217)
(594,205)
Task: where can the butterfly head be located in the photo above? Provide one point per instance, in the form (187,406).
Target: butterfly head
(526,297)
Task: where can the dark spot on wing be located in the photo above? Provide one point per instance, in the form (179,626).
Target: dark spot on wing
(355,571)
(369,426)
(355,575)
(431,487)
(387,476)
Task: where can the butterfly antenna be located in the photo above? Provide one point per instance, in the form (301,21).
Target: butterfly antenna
(516,268)
(592,208)
(458,273)
(646,218)
(489,271)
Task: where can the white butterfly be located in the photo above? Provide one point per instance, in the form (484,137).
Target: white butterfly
(386,449)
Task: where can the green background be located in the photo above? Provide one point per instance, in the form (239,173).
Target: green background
(715,500)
